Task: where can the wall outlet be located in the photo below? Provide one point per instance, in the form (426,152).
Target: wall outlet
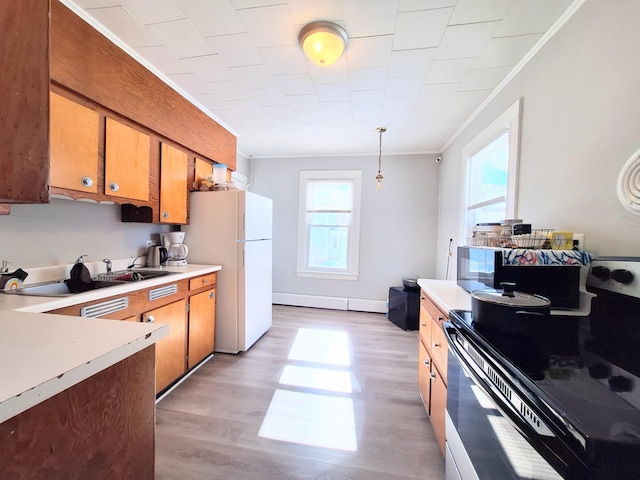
(149,243)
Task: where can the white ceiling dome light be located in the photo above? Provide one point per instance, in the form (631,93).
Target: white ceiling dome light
(323,42)
(629,184)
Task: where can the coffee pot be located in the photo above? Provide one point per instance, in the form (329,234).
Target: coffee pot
(176,250)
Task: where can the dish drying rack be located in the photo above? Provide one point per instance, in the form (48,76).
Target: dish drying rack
(502,236)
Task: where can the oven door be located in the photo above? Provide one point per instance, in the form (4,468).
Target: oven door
(484,440)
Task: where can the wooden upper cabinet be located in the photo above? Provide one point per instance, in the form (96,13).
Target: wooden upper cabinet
(126,161)
(74,145)
(24,100)
(173,185)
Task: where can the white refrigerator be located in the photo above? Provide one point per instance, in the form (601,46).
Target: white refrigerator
(232,228)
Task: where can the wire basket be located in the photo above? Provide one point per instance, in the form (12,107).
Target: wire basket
(537,239)
(501,236)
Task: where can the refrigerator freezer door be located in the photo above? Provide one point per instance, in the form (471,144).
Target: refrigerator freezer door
(257,217)
(256,294)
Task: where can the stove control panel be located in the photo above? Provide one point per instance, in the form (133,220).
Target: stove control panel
(615,274)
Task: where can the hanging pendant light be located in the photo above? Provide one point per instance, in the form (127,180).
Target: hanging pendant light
(380,130)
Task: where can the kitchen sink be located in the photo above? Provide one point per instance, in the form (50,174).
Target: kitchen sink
(59,288)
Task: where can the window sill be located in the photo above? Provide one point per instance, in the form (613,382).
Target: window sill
(328,275)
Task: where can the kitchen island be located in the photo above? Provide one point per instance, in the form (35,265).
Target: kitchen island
(77,395)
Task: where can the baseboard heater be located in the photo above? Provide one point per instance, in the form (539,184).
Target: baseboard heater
(332,303)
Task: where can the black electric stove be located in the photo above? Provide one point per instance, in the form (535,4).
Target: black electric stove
(573,390)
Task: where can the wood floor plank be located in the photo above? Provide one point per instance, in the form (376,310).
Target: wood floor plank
(261,415)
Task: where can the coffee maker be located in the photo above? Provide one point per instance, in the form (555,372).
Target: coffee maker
(176,250)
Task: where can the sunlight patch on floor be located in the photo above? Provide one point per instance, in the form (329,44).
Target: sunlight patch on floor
(311,419)
(317,378)
(330,347)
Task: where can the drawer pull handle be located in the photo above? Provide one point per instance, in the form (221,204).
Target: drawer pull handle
(151,319)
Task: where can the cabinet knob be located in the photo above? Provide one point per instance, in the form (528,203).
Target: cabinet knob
(211,295)
(114,187)
(426,362)
(165,214)
(436,344)
(204,281)
(423,324)
(86,182)
(433,376)
(151,319)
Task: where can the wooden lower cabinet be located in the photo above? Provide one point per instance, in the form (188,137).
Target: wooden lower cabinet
(102,427)
(202,324)
(432,365)
(171,351)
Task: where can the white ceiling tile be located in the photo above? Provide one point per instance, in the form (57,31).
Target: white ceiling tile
(456,113)
(255,76)
(304,11)
(363,21)
(403,86)
(162,59)
(366,113)
(268,96)
(243,106)
(236,50)
(154,11)
(411,62)
(303,102)
(368,78)
(278,112)
(270,26)
(333,92)
(364,98)
(370,51)
(413,5)
(449,71)
(469,98)
(125,27)
(89,4)
(212,17)
(333,109)
(505,51)
(474,11)
(230,90)
(420,29)
(210,100)
(182,38)
(484,78)
(295,84)
(209,68)
(531,17)
(428,109)
(190,83)
(463,41)
(335,73)
(240,4)
(398,104)
(286,60)
(438,92)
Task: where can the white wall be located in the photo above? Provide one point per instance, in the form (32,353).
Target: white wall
(580,123)
(397,231)
(59,232)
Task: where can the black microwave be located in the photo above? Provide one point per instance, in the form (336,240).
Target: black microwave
(481,268)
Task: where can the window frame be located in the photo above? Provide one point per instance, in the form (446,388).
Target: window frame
(353,246)
(509,119)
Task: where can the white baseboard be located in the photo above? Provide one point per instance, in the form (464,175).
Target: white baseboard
(332,303)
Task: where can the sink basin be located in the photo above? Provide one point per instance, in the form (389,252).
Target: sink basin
(60,289)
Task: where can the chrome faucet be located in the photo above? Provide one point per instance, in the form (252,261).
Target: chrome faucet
(108,262)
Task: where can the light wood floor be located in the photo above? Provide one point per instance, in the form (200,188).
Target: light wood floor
(324,395)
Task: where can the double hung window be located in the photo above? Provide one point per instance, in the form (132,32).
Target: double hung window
(329,224)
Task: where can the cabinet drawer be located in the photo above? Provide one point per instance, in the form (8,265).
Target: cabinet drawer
(434,311)
(439,350)
(424,327)
(203,281)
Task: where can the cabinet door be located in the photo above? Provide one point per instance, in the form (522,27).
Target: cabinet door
(126,161)
(438,406)
(74,131)
(424,370)
(424,323)
(171,351)
(202,323)
(439,348)
(173,185)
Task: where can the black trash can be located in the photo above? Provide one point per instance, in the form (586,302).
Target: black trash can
(404,307)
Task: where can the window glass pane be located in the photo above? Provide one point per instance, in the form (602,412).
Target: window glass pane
(488,170)
(328,247)
(330,195)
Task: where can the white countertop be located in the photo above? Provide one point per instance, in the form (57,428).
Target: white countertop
(446,294)
(43,354)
